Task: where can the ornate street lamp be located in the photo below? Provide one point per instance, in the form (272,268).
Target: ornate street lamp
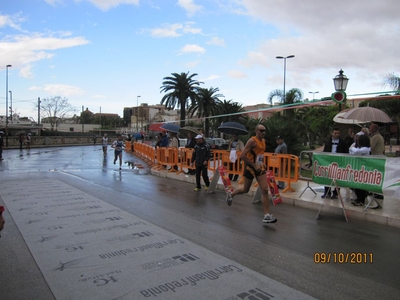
(340,81)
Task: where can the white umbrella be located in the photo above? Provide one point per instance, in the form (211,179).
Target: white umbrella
(362,115)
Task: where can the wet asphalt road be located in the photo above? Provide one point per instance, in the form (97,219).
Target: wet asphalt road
(285,251)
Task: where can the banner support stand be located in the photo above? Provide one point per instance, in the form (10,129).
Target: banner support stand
(340,199)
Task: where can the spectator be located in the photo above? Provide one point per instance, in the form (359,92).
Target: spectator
(201,156)
(234,146)
(377,141)
(191,141)
(360,147)
(334,145)
(377,145)
(280,149)
(28,141)
(21,140)
(164,140)
(174,143)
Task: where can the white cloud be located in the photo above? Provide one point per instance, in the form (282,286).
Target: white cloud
(191,48)
(168,30)
(26,71)
(174,30)
(61,90)
(190,7)
(237,74)
(216,41)
(21,50)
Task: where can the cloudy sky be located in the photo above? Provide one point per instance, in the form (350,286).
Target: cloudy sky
(105,53)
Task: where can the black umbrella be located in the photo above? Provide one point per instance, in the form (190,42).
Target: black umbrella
(185,130)
(171,127)
(233,128)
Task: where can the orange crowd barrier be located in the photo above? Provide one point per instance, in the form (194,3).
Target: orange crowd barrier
(285,167)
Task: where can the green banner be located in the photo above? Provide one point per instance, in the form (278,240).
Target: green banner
(361,172)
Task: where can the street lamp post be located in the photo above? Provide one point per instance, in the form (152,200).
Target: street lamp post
(8,66)
(340,81)
(284,73)
(137,113)
(313,94)
(11,110)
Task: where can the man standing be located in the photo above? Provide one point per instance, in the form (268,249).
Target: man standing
(191,142)
(334,145)
(201,155)
(118,145)
(253,157)
(377,145)
(377,141)
(164,139)
(280,149)
(28,141)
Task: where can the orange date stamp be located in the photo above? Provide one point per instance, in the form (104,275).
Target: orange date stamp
(343,258)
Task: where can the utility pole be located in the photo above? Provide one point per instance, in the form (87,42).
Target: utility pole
(11,110)
(38,113)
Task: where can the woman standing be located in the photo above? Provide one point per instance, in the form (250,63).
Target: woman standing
(362,146)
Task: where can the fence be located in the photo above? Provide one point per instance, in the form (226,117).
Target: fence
(284,166)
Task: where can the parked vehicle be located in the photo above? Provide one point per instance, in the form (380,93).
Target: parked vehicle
(216,143)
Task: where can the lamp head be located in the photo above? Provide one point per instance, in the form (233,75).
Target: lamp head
(340,81)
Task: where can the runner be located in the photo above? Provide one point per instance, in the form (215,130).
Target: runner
(104,144)
(118,145)
(253,156)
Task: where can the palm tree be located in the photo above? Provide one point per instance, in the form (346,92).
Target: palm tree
(229,112)
(393,81)
(179,88)
(206,105)
(291,97)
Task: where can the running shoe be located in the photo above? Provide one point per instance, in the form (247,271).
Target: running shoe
(206,188)
(229,198)
(268,218)
(197,189)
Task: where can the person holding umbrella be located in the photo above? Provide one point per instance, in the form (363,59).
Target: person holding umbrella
(234,145)
(201,156)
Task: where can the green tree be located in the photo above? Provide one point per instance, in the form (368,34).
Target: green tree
(179,88)
(206,105)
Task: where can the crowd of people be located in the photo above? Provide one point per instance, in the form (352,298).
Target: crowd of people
(368,141)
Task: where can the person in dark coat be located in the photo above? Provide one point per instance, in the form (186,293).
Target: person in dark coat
(334,145)
(201,156)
